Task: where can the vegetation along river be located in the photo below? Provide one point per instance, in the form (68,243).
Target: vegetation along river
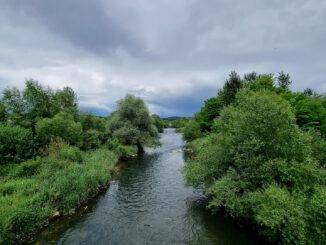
(148,204)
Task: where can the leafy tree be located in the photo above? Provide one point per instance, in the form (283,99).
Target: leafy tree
(158,123)
(257,164)
(208,113)
(284,80)
(263,82)
(38,102)
(230,88)
(14,105)
(132,124)
(16,144)
(192,130)
(66,100)
(310,92)
(250,77)
(310,112)
(61,125)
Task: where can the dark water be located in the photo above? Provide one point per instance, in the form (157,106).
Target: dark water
(148,204)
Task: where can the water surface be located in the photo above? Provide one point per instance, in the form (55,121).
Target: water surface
(148,204)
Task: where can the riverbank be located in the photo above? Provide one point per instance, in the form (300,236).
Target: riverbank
(37,191)
(148,203)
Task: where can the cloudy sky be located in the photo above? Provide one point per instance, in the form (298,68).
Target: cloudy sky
(172,53)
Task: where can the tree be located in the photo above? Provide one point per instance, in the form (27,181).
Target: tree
(309,92)
(132,124)
(250,77)
(284,80)
(61,125)
(158,123)
(67,101)
(14,105)
(38,102)
(310,112)
(230,88)
(208,113)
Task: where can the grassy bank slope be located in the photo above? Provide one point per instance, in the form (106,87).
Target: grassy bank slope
(35,191)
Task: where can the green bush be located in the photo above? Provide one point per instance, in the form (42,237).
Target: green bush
(61,125)
(16,144)
(192,131)
(91,139)
(123,151)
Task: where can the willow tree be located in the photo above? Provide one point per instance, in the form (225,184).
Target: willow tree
(132,123)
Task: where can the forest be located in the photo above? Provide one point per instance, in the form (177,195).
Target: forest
(257,150)
(55,158)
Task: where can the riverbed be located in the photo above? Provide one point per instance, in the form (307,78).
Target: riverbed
(148,203)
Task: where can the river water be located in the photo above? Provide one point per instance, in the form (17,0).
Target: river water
(148,204)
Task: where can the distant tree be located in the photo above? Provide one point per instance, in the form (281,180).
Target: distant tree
(230,88)
(208,113)
(250,77)
(14,105)
(158,123)
(284,80)
(192,130)
(263,82)
(132,124)
(310,92)
(67,100)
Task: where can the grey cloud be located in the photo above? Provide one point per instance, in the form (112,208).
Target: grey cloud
(85,23)
(174,54)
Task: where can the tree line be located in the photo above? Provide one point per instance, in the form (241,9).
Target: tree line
(259,154)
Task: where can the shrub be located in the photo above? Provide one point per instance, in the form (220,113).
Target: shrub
(61,125)
(16,144)
(91,139)
(123,151)
(192,131)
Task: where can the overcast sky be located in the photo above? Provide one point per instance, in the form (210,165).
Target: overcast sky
(172,53)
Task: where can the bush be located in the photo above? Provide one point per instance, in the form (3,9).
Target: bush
(192,131)
(61,125)
(123,151)
(91,139)
(16,144)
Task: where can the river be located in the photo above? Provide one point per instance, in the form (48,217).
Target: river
(148,204)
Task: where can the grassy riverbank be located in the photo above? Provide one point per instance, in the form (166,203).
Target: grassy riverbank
(36,191)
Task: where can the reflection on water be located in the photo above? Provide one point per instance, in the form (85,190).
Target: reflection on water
(148,204)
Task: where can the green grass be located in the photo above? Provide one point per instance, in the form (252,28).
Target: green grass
(64,180)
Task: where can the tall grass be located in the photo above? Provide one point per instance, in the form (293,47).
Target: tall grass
(33,191)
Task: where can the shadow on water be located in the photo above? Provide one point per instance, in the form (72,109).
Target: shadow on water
(148,204)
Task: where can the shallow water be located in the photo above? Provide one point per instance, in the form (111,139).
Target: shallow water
(148,204)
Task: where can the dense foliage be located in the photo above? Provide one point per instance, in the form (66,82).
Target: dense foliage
(132,123)
(263,160)
(54,158)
